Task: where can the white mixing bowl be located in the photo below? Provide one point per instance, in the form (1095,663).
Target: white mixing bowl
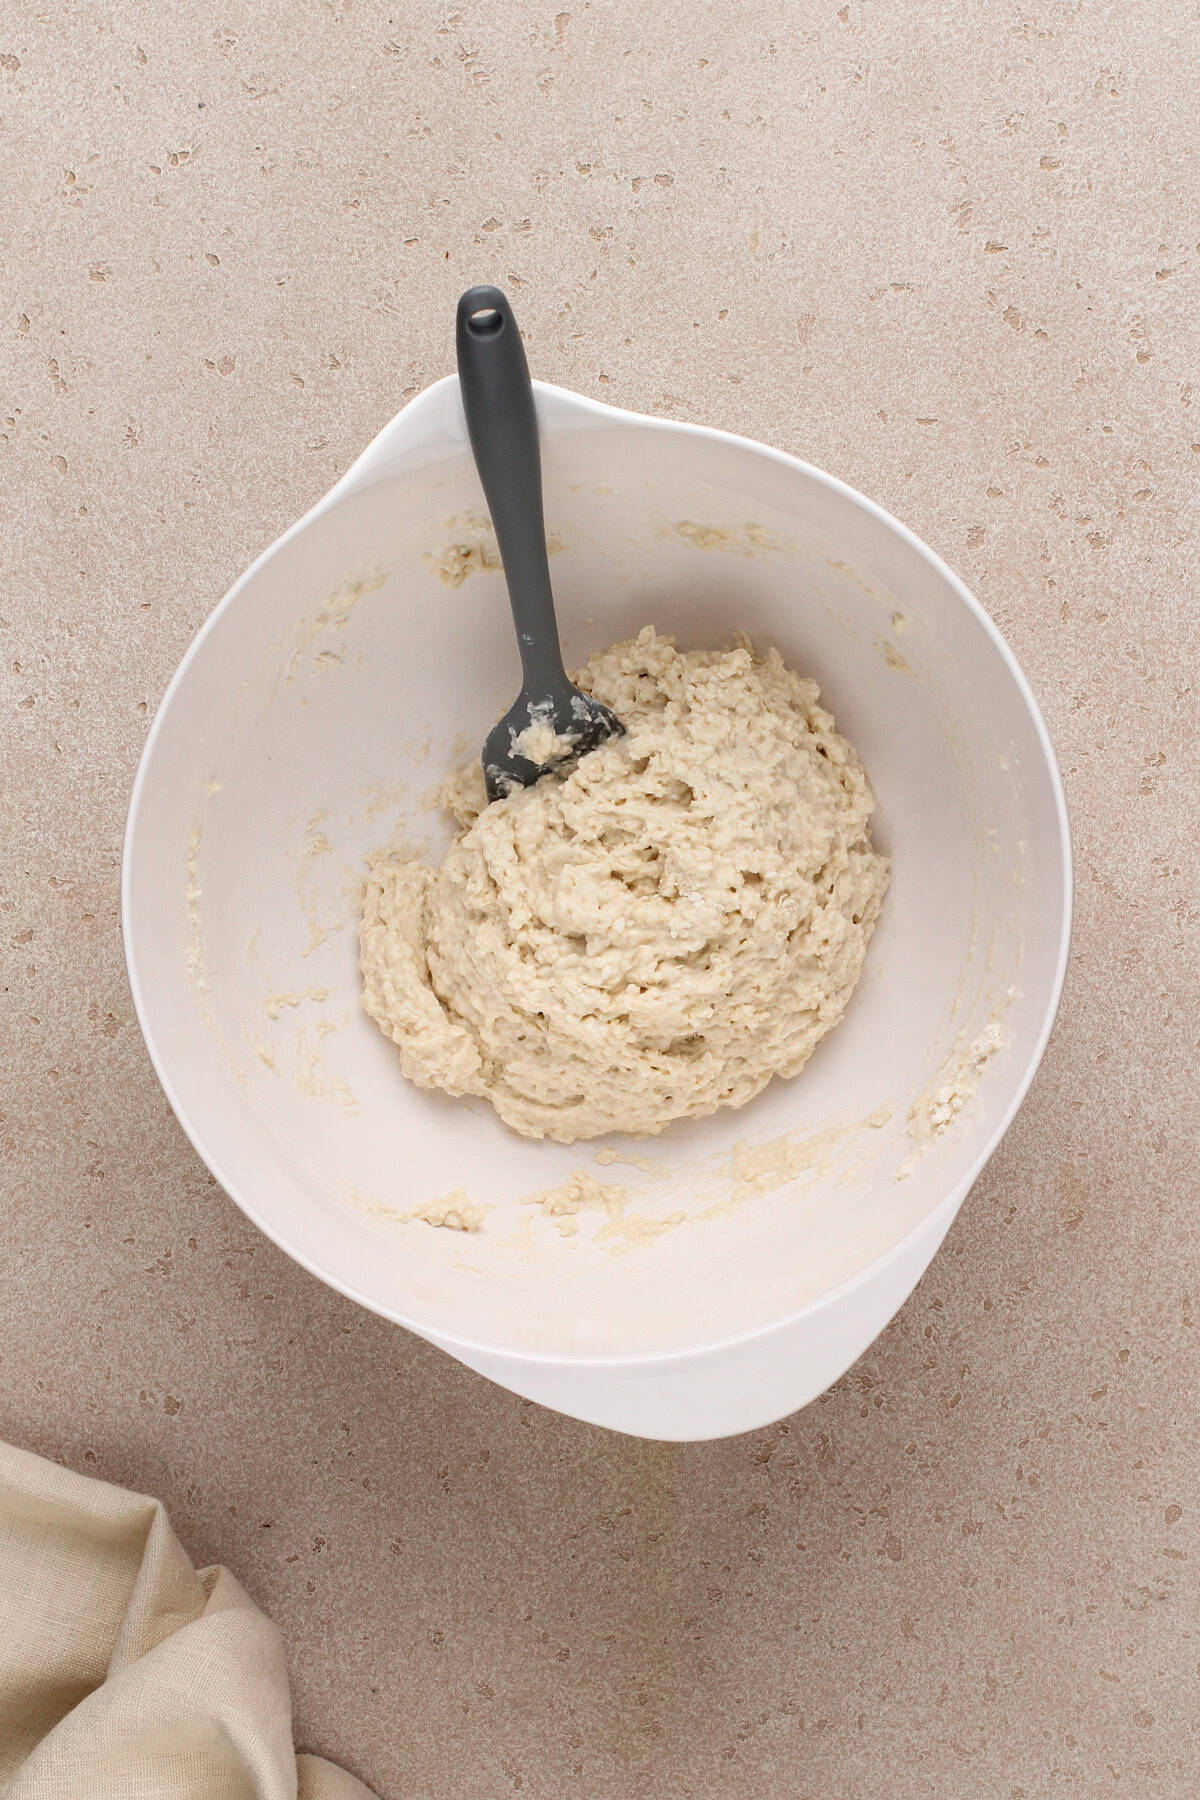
(311,721)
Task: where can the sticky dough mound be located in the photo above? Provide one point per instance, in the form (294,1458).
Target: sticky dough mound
(652,935)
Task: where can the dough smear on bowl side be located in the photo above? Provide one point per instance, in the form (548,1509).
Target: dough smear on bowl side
(653,933)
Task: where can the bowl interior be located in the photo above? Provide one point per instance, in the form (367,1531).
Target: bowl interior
(311,724)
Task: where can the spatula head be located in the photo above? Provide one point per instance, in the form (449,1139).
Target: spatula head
(543,732)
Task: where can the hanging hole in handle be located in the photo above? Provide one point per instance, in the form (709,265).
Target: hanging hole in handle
(486,322)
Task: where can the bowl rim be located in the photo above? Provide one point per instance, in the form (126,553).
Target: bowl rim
(555,405)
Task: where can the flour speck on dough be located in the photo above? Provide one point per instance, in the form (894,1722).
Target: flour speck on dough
(655,934)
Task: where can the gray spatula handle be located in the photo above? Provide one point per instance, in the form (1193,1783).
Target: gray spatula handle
(498,401)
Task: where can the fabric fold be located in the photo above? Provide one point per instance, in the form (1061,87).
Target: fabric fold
(125,1674)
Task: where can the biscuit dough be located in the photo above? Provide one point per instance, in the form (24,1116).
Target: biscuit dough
(656,933)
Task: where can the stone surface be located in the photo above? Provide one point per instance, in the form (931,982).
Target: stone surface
(946,251)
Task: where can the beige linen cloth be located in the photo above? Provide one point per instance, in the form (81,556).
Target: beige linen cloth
(125,1674)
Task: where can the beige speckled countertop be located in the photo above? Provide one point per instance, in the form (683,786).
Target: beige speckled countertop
(947,251)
